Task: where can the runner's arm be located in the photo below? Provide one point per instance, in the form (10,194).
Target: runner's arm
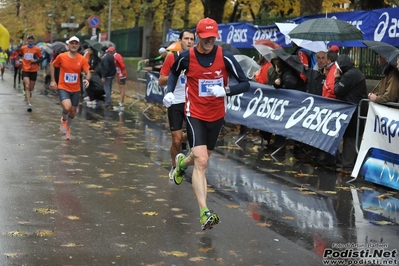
(180,64)
(165,70)
(235,70)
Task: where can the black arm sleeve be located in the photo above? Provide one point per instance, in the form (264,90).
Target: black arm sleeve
(235,70)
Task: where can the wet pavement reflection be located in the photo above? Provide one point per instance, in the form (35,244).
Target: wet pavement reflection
(312,205)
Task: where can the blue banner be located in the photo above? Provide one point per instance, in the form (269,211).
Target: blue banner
(154,93)
(378,25)
(307,118)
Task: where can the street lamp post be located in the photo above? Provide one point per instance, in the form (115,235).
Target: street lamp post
(109,19)
(52,27)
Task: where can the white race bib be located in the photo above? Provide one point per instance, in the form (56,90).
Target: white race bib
(71,78)
(203,85)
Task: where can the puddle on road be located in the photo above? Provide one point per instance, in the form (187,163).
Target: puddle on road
(311,205)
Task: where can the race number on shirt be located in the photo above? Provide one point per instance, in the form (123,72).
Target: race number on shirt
(71,78)
(203,85)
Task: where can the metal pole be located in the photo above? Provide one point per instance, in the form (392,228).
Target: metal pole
(109,20)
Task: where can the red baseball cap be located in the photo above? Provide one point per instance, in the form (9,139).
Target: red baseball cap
(207,27)
(110,49)
(334,48)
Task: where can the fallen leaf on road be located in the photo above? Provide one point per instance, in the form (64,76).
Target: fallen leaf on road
(343,188)
(304,175)
(384,196)
(265,224)
(11,255)
(16,233)
(45,233)
(150,213)
(48,176)
(107,193)
(45,211)
(383,223)
(174,253)
(197,259)
(134,200)
(206,249)
(106,175)
(366,188)
(71,245)
(330,192)
(93,186)
(72,217)
(308,193)
(232,206)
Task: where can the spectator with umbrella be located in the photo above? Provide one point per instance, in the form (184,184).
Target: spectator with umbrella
(388,87)
(288,70)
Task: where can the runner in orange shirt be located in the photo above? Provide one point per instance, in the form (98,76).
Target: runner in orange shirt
(71,65)
(31,57)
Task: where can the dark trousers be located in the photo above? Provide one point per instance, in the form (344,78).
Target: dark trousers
(349,154)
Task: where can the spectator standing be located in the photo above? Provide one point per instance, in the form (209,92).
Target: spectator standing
(71,65)
(350,86)
(288,77)
(306,57)
(108,71)
(3,62)
(94,63)
(261,74)
(16,62)
(388,87)
(31,58)
(329,70)
(316,76)
(176,109)
(207,67)
(121,73)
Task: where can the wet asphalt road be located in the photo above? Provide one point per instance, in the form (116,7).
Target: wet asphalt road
(104,198)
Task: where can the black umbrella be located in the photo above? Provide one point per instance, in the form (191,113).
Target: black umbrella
(59,47)
(394,57)
(291,60)
(95,45)
(386,51)
(326,29)
(228,47)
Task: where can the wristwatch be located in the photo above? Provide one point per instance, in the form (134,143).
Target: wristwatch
(227,89)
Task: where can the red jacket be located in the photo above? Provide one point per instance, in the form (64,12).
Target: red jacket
(328,87)
(262,76)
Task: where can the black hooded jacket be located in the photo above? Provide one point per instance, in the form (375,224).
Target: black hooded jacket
(351,87)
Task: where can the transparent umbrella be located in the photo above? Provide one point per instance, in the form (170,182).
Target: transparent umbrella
(247,64)
(266,47)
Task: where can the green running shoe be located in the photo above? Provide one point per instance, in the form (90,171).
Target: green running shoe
(179,172)
(208,219)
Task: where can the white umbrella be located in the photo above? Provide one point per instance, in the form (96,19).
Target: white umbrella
(314,46)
